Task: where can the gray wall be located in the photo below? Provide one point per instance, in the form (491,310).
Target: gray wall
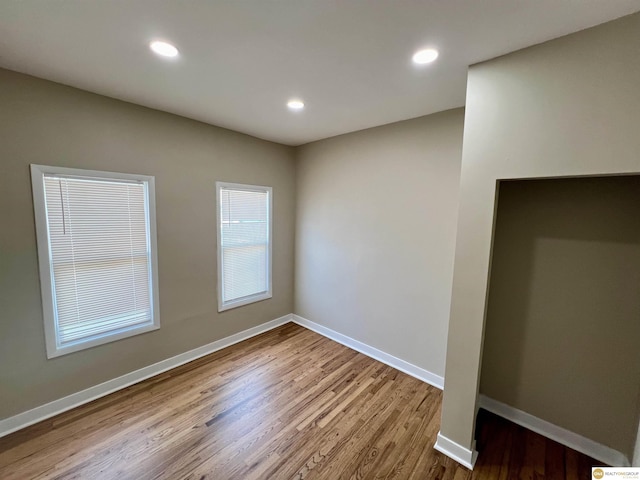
(46,123)
(567,107)
(376,218)
(562,329)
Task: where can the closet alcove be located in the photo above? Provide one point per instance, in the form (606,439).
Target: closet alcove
(562,332)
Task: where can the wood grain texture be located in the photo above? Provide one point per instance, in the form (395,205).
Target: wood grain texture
(287,404)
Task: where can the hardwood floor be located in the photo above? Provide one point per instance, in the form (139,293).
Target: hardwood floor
(288,404)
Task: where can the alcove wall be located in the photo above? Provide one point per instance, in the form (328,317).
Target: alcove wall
(563,312)
(569,107)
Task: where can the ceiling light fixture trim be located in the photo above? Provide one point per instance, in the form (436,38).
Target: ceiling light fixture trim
(295,104)
(425,56)
(164,49)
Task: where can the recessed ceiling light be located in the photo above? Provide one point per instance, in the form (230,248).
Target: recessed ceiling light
(427,55)
(163,48)
(295,104)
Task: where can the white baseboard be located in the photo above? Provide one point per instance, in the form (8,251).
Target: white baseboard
(22,420)
(570,439)
(454,450)
(403,366)
(43,412)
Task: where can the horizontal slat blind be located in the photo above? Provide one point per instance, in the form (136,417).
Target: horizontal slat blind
(244,234)
(100,256)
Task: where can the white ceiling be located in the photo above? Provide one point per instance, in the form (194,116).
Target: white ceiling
(241,60)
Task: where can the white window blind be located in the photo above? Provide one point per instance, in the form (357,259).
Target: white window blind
(244,252)
(99,258)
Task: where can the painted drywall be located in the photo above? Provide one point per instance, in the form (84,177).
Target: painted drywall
(46,123)
(375,232)
(567,107)
(562,329)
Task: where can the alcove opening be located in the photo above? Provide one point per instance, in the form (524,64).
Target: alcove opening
(562,331)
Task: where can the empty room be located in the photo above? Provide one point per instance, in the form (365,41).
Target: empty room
(319,239)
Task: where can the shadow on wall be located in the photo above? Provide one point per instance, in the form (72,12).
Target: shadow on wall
(563,317)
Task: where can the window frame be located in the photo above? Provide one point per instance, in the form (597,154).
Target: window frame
(222,305)
(53,347)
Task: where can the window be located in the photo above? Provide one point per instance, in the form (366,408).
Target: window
(244,244)
(97,253)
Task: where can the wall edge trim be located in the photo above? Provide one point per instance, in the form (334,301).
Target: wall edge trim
(464,456)
(635,461)
(561,435)
(388,359)
(51,409)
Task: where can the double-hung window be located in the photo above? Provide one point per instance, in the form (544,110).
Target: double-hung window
(96,237)
(244,244)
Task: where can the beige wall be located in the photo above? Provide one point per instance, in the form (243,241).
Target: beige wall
(376,214)
(46,123)
(562,329)
(567,107)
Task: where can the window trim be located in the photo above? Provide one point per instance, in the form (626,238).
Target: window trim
(222,306)
(46,268)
